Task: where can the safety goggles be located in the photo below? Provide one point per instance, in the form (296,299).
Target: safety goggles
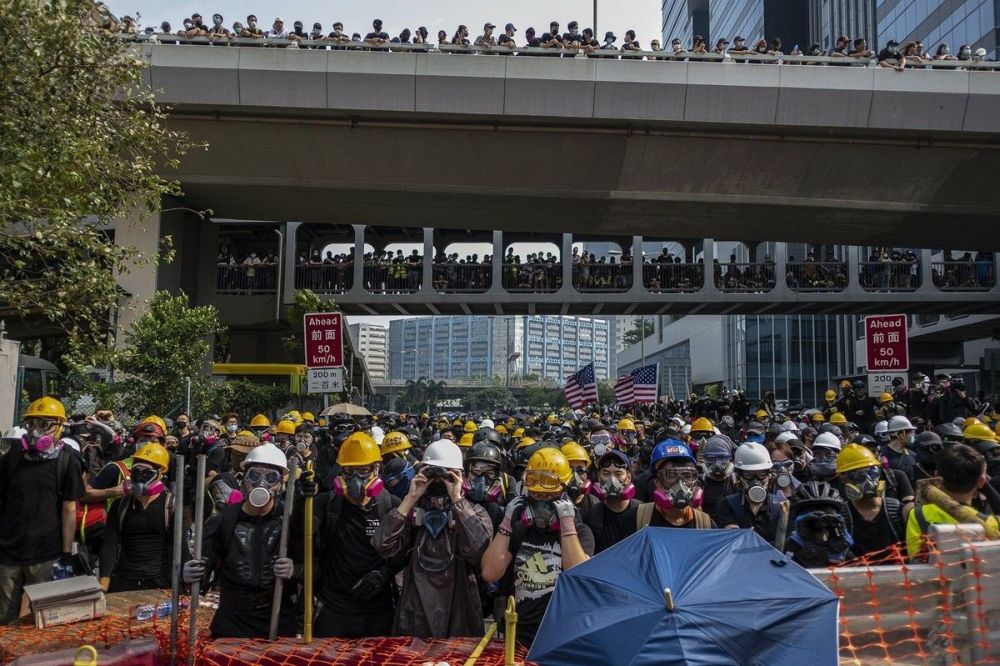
(208,431)
(256,475)
(40,424)
(820,454)
(784,465)
(762,475)
(668,476)
(602,438)
(579,469)
(861,475)
(547,481)
(365,471)
(715,458)
(483,469)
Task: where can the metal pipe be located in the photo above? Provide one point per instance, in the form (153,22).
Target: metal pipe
(281,259)
(308,557)
(199,512)
(175,568)
(279,584)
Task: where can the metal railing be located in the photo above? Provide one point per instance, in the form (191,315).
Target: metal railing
(652,56)
(400,278)
(673,277)
(964,275)
(744,278)
(246,280)
(532,278)
(890,275)
(816,276)
(325,279)
(451,278)
(596,278)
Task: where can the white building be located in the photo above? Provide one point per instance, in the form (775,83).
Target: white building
(372,342)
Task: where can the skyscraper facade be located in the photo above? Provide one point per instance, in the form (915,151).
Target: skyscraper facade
(955,22)
(750,19)
(372,343)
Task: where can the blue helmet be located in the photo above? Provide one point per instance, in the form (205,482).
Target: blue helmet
(670,449)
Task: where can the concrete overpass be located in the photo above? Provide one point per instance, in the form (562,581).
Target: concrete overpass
(688,150)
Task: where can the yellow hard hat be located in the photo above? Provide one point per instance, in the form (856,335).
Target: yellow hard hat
(285,427)
(260,421)
(998,429)
(626,424)
(294,416)
(704,425)
(153,418)
(424,416)
(394,442)
(46,408)
(760,414)
(838,419)
(357,450)
(308,416)
(457,422)
(830,395)
(979,432)
(155,455)
(818,418)
(466,440)
(855,456)
(845,384)
(501,428)
(575,453)
(525,441)
(469,427)
(970,420)
(547,471)
(884,398)
(552,419)
(518,433)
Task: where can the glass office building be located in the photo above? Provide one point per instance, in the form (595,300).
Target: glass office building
(829,19)
(750,19)
(955,22)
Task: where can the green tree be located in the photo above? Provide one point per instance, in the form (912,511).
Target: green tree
(492,397)
(306,301)
(82,145)
(247,399)
(544,398)
(164,347)
(606,393)
(642,328)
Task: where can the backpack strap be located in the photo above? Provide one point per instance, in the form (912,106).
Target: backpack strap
(702,521)
(895,517)
(643,515)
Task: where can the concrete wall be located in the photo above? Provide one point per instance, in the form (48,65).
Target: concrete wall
(9,350)
(142,233)
(704,334)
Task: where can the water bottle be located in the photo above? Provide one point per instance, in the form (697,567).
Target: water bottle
(160,610)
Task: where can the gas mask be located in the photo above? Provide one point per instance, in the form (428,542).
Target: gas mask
(399,483)
(682,489)
(579,485)
(541,514)
(864,483)
(482,488)
(42,438)
(717,468)
(303,441)
(600,443)
(261,484)
(144,481)
(823,469)
(209,435)
(783,473)
(613,489)
(755,485)
(356,482)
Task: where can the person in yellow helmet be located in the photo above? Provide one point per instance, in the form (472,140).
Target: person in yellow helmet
(541,535)
(465,441)
(838,419)
(579,486)
(284,433)
(628,434)
(40,482)
(878,519)
(137,553)
(396,445)
(308,417)
(260,426)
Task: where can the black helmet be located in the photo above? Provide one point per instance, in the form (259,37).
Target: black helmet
(808,431)
(831,428)
(486,452)
(950,433)
(817,495)
(858,384)
(488,435)
(926,445)
(867,441)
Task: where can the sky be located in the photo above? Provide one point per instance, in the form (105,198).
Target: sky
(616,15)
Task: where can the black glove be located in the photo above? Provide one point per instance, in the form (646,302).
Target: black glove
(371,584)
(306,485)
(66,560)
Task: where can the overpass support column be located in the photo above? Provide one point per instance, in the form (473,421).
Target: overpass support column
(427,283)
(637,263)
(359,258)
(566,257)
(781,266)
(496,268)
(708,254)
(926,281)
(290,233)
(853,269)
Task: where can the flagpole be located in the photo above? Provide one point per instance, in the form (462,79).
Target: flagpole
(642,339)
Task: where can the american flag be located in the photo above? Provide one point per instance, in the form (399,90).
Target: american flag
(581,387)
(638,386)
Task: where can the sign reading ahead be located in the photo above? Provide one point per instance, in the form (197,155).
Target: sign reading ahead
(886,344)
(324,340)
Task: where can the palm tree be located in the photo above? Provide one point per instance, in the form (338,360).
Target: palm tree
(414,393)
(434,390)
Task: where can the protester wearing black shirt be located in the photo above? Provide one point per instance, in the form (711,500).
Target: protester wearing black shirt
(613,519)
(376,36)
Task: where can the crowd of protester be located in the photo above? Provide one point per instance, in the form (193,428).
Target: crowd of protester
(391,272)
(425,524)
(572,41)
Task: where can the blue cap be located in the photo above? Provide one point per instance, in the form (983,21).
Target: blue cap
(616,456)
(670,449)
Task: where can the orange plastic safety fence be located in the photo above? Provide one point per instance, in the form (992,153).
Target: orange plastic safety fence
(893,612)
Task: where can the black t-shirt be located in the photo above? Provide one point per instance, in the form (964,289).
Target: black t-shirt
(505,40)
(886,54)
(712,492)
(610,527)
(349,555)
(760,522)
(901,462)
(110,476)
(142,536)
(377,35)
(874,536)
(537,563)
(31,511)
(657,520)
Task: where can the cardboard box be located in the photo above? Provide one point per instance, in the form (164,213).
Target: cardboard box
(78,611)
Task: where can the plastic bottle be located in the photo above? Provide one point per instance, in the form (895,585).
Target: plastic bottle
(160,610)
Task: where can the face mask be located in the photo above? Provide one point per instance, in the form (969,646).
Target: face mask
(261,485)
(578,486)
(37,442)
(145,483)
(869,486)
(232,428)
(718,468)
(541,514)
(823,468)
(783,479)
(402,485)
(217,20)
(679,496)
(480,489)
(252,23)
(757,491)
(755,437)
(613,489)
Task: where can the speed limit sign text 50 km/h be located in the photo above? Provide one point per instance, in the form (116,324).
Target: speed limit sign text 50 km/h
(886,344)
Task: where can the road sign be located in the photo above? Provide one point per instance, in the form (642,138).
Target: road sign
(886,343)
(324,339)
(325,380)
(881,382)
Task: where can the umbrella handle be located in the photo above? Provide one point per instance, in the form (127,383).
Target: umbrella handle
(668,597)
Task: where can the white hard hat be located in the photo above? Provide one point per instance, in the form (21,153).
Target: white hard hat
(443,453)
(827,440)
(786,436)
(486,423)
(266,454)
(898,423)
(378,434)
(752,457)
(686,430)
(790,425)
(881,427)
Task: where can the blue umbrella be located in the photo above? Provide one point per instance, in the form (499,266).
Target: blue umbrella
(680,596)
